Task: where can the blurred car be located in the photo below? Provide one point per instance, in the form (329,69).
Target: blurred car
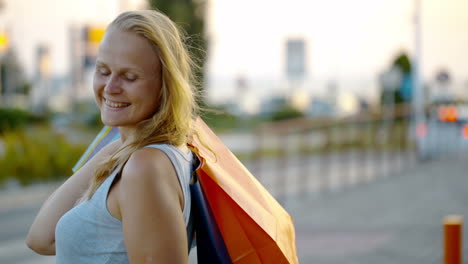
(445,130)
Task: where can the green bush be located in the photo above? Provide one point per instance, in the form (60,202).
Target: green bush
(220,121)
(286,112)
(34,158)
(12,119)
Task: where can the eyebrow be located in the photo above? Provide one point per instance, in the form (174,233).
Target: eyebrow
(100,64)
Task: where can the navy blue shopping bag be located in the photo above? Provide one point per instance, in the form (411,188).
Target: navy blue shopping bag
(210,243)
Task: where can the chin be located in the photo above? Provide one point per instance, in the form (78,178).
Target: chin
(117,123)
(110,122)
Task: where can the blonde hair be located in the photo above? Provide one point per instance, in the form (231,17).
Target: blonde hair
(174,118)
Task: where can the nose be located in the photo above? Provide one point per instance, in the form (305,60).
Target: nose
(112,85)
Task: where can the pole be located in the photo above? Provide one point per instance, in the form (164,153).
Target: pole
(2,101)
(453,242)
(418,103)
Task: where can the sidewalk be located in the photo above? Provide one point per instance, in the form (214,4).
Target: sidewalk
(17,197)
(397,219)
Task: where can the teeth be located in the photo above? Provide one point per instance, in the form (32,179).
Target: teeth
(116,105)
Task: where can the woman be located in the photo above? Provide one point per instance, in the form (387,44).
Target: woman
(133,196)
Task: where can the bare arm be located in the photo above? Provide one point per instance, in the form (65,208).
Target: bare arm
(151,201)
(41,236)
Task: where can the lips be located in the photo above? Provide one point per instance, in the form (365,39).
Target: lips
(114,104)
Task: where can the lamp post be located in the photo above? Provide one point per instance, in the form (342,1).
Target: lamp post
(418,103)
(3,47)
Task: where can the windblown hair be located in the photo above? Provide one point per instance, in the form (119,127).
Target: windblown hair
(174,118)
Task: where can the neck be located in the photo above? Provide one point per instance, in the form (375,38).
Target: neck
(126,133)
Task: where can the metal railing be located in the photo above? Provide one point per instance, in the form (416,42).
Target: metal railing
(305,156)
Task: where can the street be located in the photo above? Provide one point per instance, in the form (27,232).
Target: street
(15,223)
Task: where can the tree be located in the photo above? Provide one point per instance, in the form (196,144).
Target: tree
(190,15)
(286,112)
(402,93)
(403,63)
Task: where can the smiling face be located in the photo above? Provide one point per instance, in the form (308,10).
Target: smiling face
(127,81)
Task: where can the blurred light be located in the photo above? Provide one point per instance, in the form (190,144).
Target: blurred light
(300,100)
(448,114)
(93,35)
(421,130)
(3,41)
(45,65)
(96,34)
(465,131)
(347,103)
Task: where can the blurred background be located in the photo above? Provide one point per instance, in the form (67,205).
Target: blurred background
(344,110)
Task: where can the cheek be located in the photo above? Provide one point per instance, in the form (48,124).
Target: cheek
(152,102)
(97,86)
(97,92)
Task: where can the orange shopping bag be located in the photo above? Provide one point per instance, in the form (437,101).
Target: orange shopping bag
(254,226)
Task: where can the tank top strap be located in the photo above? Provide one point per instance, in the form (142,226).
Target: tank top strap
(182,163)
(99,199)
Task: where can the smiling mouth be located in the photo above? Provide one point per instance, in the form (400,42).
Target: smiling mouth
(115,104)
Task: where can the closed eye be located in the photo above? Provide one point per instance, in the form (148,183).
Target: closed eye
(103,71)
(130,77)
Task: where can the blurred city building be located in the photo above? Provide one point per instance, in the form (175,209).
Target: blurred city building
(348,42)
(55,43)
(293,51)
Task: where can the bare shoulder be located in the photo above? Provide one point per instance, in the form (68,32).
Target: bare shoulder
(148,176)
(150,201)
(147,162)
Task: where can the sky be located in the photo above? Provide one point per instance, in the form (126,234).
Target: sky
(351,41)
